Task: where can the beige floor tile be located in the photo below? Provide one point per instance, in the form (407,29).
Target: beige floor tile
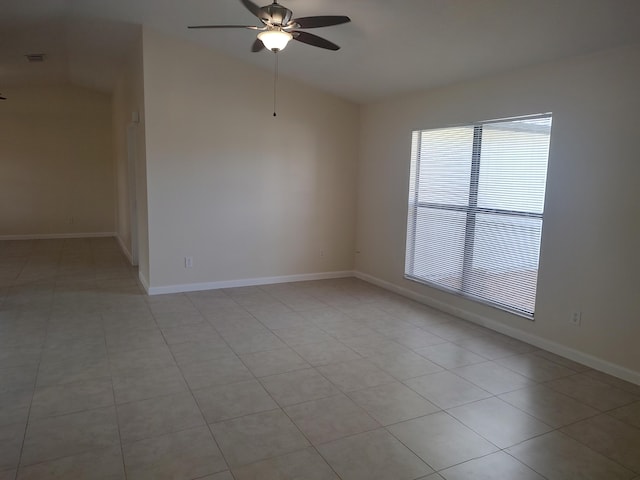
(593,392)
(494,346)
(355,375)
(616,382)
(298,386)
(201,332)
(330,418)
(610,437)
(157,358)
(54,437)
(9,474)
(553,408)
(194,352)
(302,335)
(177,456)
(66,300)
(11,437)
(280,360)
(565,362)
(143,384)
(71,397)
(60,373)
(134,340)
(15,378)
(446,390)
(559,457)
(535,367)
(218,476)
(441,440)
(324,353)
(14,405)
(415,338)
(455,329)
(374,455)
(101,464)
(404,365)
(256,437)
(629,414)
(392,403)
(496,466)
(376,344)
(304,464)
(242,343)
(158,416)
(219,371)
(492,377)
(500,423)
(223,402)
(450,355)
(18,355)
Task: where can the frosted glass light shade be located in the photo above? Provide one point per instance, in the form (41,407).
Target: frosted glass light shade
(275,40)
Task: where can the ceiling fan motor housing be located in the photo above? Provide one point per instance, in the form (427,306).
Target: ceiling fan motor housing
(275,15)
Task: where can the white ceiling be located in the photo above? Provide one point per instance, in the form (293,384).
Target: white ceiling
(390,47)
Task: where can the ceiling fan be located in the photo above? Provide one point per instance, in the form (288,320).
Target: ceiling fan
(2,98)
(279,27)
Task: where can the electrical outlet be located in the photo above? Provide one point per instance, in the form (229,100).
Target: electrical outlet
(575,318)
(188,262)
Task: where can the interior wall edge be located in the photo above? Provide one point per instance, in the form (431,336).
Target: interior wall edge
(125,250)
(540,342)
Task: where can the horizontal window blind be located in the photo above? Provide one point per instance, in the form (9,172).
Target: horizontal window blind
(476,202)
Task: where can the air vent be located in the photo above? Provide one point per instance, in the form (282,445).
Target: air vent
(35,57)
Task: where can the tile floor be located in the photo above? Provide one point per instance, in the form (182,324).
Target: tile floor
(315,380)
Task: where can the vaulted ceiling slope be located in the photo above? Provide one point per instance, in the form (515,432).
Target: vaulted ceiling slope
(390,47)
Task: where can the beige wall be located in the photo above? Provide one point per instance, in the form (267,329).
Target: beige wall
(128,97)
(591,234)
(245,194)
(56,168)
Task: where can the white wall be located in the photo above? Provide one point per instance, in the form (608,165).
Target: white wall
(591,234)
(128,97)
(245,194)
(56,169)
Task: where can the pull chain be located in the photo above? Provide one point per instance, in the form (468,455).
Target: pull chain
(275,83)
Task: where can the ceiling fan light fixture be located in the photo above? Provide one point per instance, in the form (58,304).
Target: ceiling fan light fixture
(275,40)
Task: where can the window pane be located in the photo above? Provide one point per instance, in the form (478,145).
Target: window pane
(439,246)
(513,165)
(505,260)
(445,166)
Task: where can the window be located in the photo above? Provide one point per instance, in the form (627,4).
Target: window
(476,201)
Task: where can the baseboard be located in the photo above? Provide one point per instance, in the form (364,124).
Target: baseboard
(144,282)
(540,342)
(247,282)
(48,236)
(124,249)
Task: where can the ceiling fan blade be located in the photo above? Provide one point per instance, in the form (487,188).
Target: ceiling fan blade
(314,40)
(320,21)
(257,46)
(250,27)
(252,7)
(3,98)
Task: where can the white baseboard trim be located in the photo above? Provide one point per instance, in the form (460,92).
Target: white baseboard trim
(144,282)
(247,282)
(540,342)
(124,249)
(48,236)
